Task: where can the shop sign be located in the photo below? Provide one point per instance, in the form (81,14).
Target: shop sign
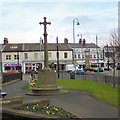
(13,64)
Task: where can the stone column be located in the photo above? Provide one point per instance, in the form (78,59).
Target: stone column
(87,59)
(47,84)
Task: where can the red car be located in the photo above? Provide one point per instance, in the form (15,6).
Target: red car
(28,71)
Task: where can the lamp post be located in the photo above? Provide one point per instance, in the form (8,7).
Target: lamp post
(18,61)
(58,70)
(74,52)
(80,42)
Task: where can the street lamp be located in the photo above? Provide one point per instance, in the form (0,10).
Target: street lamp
(74,53)
(58,70)
(18,61)
(80,42)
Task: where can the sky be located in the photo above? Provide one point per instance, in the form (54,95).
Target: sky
(19,21)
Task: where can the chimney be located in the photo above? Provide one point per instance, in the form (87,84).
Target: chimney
(65,40)
(80,41)
(5,41)
(84,41)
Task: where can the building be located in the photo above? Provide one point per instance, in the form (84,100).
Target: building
(111,56)
(96,53)
(27,56)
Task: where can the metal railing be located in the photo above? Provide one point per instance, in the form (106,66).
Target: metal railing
(11,77)
(115,81)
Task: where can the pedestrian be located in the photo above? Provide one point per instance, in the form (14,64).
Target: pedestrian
(32,75)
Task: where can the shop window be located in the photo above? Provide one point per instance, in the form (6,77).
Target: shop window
(7,68)
(8,57)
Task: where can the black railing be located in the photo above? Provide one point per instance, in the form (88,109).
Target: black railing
(11,77)
(93,77)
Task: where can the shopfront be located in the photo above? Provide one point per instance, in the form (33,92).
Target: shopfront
(12,66)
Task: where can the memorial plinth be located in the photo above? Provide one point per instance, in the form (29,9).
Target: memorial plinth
(47,84)
(47,77)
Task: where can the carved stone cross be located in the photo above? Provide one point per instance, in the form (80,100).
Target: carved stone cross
(45,43)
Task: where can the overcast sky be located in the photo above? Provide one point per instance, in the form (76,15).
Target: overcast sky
(19,21)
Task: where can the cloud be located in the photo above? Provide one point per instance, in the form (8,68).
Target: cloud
(20,21)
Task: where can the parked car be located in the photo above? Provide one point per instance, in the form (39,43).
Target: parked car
(79,71)
(106,68)
(69,67)
(12,71)
(96,69)
(28,71)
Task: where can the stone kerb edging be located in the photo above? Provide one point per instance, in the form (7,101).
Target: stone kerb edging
(12,111)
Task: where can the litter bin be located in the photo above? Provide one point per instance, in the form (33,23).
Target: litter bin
(72,75)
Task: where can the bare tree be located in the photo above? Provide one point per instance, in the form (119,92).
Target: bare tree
(115,50)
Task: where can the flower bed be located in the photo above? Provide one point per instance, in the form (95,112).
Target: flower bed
(35,110)
(47,110)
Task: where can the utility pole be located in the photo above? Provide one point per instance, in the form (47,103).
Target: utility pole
(108,57)
(57,58)
(18,61)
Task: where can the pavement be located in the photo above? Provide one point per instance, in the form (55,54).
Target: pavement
(78,102)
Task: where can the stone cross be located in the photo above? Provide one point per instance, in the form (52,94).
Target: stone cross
(45,43)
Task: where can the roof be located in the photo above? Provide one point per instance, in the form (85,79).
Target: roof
(15,47)
(0,47)
(87,45)
(19,47)
(35,47)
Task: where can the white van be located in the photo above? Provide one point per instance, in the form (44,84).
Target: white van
(69,67)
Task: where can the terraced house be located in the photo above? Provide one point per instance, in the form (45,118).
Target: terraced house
(27,56)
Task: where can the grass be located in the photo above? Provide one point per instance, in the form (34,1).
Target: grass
(104,92)
(107,93)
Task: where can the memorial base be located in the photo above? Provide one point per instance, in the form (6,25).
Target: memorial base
(47,84)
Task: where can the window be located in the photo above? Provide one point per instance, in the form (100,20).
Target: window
(16,57)
(83,56)
(25,55)
(49,55)
(65,55)
(94,56)
(36,55)
(8,57)
(78,55)
(90,56)
(7,68)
